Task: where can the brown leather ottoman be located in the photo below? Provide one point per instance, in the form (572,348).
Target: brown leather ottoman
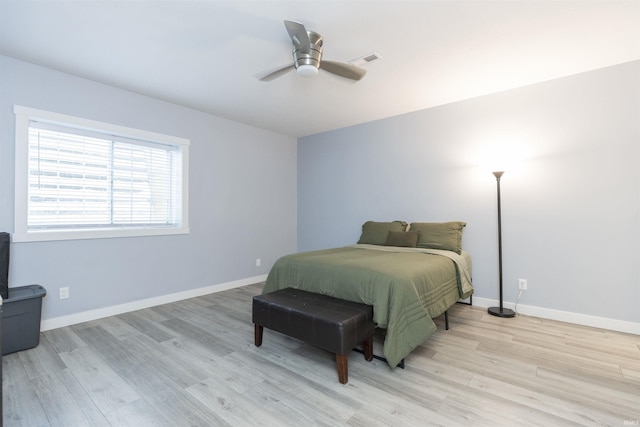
(332,324)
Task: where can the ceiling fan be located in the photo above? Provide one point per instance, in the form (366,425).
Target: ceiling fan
(307,56)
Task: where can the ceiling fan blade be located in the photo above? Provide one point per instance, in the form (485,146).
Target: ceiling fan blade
(299,36)
(277,73)
(344,70)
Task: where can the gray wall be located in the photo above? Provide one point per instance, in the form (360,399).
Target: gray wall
(570,195)
(242,199)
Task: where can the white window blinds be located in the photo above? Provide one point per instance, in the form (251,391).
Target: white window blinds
(84,179)
(80,180)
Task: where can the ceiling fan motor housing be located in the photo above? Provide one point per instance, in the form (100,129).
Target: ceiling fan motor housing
(314,55)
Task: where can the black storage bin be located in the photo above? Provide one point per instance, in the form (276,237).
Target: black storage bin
(21,314)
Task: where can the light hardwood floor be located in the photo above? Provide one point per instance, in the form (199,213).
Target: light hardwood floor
(193,363)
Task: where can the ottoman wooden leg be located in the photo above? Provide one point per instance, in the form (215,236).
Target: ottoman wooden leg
(367,347)
(342,361)
(257,335)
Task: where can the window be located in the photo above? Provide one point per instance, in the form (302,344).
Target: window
(77,178)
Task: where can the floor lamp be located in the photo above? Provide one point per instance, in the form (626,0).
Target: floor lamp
(500,311)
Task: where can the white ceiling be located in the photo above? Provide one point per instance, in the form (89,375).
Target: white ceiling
(209,54)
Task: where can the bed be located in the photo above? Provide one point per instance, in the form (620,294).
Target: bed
(408,284)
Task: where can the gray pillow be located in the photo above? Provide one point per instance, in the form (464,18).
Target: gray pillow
(375,233)
(404,239)
(440,235)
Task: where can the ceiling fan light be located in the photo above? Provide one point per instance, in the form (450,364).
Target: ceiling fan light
(307,70)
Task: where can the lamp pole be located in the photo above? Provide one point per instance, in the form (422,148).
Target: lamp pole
(500,311)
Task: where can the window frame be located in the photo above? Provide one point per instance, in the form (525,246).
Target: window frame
(24,115)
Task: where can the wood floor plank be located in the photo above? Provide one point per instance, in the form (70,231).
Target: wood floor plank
(147,326)
(565,411)
(180,408)
(13,370)
(182,374)
(112,350)
(226,370)
(287,404)
(632,375)
(120,329)
(397,382)
(63,339)
(428,367)
(397,414)
(331,400)
(471,406)
(482,361)
(41,360)
(555,358)
(232,406)
(199,335)
(623,400)
(138,413)
(21,405)
(602,350)
(107,389)
(200,359)
(224,328)
(65,402)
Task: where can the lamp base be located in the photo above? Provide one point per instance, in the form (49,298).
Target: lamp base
(501,312)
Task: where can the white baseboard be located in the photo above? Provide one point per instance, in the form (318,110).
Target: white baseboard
(99,313)
(565,316)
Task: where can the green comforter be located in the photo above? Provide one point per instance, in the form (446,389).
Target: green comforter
(407,287)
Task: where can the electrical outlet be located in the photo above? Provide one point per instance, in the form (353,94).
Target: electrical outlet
(258,262)
(63,293)
(522,284)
